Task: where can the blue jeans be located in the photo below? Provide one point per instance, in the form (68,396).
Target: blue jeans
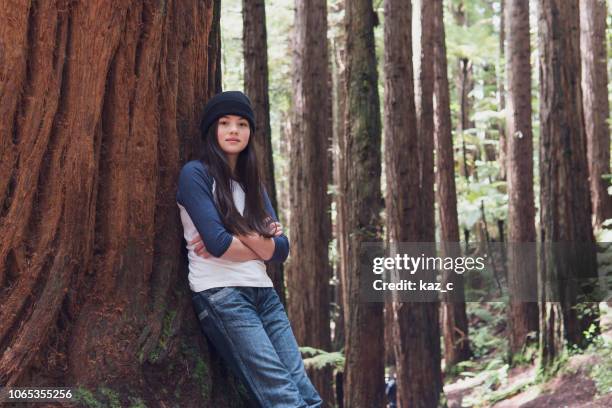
(249,328)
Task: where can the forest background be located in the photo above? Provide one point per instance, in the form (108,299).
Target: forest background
(100,103)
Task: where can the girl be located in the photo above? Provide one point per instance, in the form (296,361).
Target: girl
(231,229)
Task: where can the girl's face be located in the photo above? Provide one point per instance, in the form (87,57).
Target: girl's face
(233,133)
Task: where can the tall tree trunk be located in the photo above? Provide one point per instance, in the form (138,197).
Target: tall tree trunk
(339,113)
(522,277)
(103,101)
(283,168)
(310,226)
(425,120)
(593,14)
(339,166)
(364,369)
(454,317)
(254,40)
(565,211)
(409,204)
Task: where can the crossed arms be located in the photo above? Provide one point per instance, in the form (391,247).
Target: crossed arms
(195,194)
(244,247)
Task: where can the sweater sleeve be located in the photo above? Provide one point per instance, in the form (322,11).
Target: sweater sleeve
(281,243)
(195,194)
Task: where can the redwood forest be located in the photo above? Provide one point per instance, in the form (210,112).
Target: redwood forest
(441,169)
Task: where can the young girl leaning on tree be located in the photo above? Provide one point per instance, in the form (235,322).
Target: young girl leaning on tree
(231,229)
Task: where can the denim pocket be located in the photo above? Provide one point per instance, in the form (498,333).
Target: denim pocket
(217,295)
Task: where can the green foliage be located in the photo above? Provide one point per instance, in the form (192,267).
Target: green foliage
(86,398)
(601,372)
(137,403)
(232,65)
(470,196)
(601,346)
(529,353)
(111,396)
(103,398)
(486,317)
(201,375)
(164,338)
(319,359)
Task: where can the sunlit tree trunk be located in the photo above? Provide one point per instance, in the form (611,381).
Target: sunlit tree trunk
(339,173)
(593,14)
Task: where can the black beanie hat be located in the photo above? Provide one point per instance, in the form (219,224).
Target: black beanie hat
(227,103)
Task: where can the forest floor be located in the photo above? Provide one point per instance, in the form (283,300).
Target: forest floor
(584,379)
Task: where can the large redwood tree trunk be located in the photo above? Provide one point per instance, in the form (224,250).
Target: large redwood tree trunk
(565,206)
(409,204)
(364,367)
(100,107)
(310,228)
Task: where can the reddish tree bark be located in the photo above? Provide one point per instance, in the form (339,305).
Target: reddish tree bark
(593,14)
(454,318)
(339,175)
(102,100)
(565,206)
(364,367)
(254,39)
(409,203)
(522,270)
(310,228)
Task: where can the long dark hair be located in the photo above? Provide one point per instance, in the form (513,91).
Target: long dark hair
(255,218)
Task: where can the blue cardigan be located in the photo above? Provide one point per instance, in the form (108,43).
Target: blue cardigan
(195,193)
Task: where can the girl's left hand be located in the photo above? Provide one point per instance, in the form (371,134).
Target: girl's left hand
(200,249)
(276,229)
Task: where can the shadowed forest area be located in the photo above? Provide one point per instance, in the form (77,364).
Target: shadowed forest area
(482,126)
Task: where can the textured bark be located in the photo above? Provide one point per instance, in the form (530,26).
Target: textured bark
(256,87)
(454,318)
(102,100)
(565,211)
(310,228)
(364,370)
(283,182)
(522,276)
(409,205)
(339,174)
(593,14)
(425,120)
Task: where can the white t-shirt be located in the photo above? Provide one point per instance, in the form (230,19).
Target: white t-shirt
(206,273)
